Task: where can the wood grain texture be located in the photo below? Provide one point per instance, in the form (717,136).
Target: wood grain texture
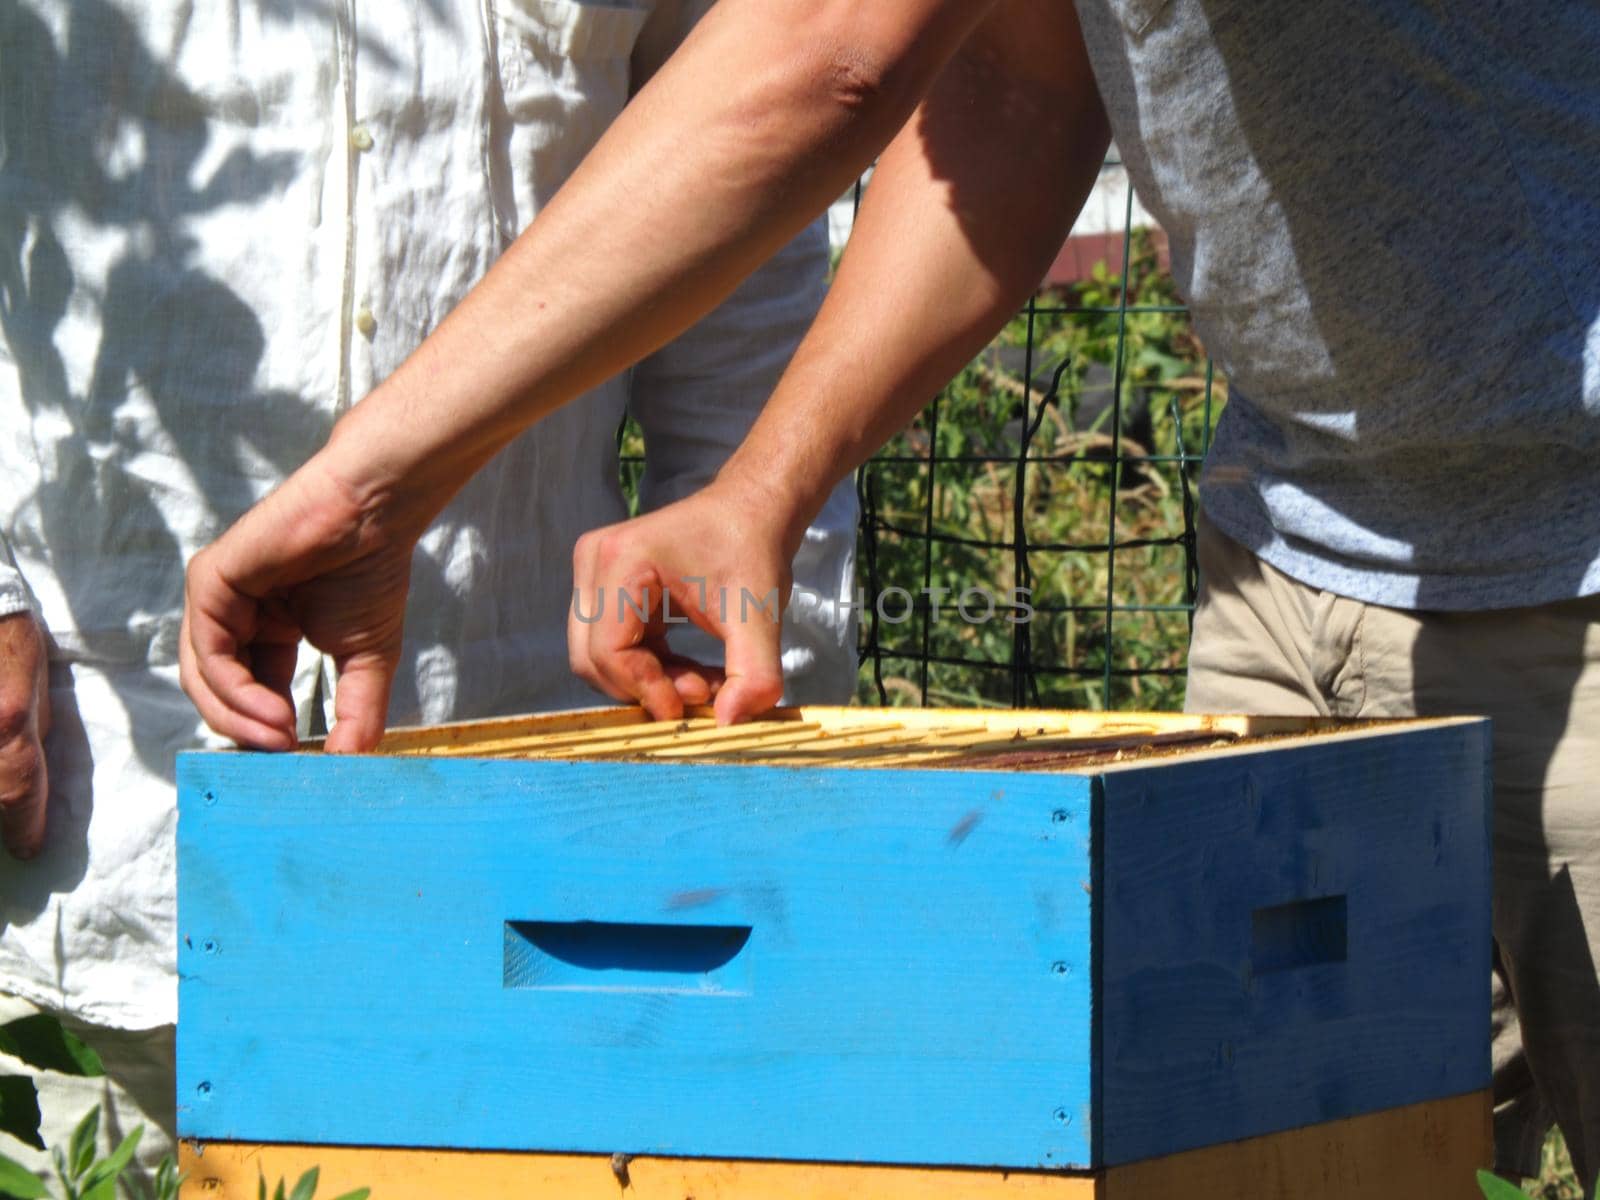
(835,735)
(914,987)
(1426,1150)
(1231,1006)
(1429,1151)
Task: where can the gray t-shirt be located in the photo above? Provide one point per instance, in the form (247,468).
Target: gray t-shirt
(1386,219)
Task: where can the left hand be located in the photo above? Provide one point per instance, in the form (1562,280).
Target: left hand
(24,722)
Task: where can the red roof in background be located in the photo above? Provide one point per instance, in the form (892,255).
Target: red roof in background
(1079,255)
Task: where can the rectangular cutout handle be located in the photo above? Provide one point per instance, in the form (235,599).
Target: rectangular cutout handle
(626,956)
(1301,934)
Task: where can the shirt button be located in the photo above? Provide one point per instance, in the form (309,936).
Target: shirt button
(366,322)
(361,138)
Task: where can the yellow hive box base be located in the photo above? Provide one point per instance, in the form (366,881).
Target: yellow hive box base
(1425,1150)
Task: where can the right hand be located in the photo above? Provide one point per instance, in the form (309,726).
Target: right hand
(314,560)
(717,554)
(24,722)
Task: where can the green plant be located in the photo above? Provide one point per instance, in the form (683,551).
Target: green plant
(41,1042)
(1027,472)
(82,1175)
(306,1189)
(1556,1179)
(1495,1188)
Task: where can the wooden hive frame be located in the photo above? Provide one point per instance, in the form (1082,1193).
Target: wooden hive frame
(855,737)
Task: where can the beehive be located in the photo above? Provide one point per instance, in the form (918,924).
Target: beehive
(843,951)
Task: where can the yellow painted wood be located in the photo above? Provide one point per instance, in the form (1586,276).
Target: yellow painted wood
(228,1171)
(399,740)
(1426,1150)
(606,724)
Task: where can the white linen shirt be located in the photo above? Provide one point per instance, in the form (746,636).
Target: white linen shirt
(221,224)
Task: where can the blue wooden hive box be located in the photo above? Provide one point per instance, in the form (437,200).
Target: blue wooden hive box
(1015,940)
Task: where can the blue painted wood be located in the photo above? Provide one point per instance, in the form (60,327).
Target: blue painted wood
(1224,1011)
(873,966)
(903,995)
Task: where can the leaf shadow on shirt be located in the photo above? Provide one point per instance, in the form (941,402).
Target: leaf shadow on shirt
(169,439)
(330,13)
(1455,158)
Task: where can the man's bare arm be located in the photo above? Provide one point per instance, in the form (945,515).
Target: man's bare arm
(755,126)
(965,211)
(969,207)
(767,112)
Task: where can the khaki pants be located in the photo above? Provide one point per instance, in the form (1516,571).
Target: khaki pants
(137,1089)
(1264,643)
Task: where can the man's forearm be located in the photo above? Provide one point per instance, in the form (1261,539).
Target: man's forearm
(784,104)
(965,212)
(769,110)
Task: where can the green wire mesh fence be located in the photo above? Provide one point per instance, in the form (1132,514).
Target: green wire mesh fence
(1029,539)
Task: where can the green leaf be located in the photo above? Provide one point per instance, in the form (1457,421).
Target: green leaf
(1495,1188)
(168,1181)
(358,1194)
(261,1185)
(278,1193)
(19,1182)
(307,1187)
(80,1151)
(40,1041)
(19,1109)
(107,1170)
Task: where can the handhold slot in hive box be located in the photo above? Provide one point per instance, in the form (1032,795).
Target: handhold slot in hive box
(1301,934)
(625,956)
